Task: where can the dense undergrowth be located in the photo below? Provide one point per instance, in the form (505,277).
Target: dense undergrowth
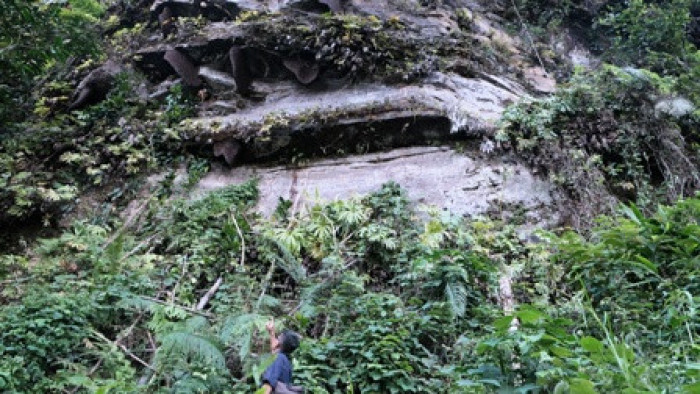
(616,133)
(389,297)
(386,301)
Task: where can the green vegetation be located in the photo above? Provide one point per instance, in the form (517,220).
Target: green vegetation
(172,295)
(386,301)
(36,35)
(604,134)
(660,36)
(351,45)
(653,35)
(56,156)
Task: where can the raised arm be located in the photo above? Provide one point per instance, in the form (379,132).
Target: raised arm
(274,343)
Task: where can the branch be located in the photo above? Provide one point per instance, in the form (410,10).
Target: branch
(203,302)
(240,234)
(139,246)
(123,348)
(161,302)
(183,272)
(145,379)
(527,32)
(127,222)
(17,280)
(125,333)
(268,278)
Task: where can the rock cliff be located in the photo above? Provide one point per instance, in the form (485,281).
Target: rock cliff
(306,94)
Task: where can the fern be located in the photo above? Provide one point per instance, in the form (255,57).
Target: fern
(197,324)
(285,260)
(238,331)
(309,298)
(195,347)
(456,295)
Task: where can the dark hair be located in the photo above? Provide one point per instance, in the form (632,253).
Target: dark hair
(289,342)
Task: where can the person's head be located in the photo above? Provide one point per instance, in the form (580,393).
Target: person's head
(288,341)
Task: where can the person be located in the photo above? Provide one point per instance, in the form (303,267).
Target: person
(280,371)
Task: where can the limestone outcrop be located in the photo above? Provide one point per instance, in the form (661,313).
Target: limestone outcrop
(307,79)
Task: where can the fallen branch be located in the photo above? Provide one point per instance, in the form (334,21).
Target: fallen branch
(139,246)
(205,299)
(508,305)
(529,37)
(149,375)
(127,222)
(184,308)
(125,333)
(16,280)
(268,278)
(183,272)
(240,234)
(125,350)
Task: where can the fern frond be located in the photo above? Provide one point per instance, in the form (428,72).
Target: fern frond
(193,347)
(310,297)
(236,326)
(284,258)
(290,264)
(237,331)
(268,302)
(133,301)
(456,295)
(115,250)
(196,324)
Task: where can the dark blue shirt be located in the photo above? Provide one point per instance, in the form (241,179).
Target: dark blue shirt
(279,371)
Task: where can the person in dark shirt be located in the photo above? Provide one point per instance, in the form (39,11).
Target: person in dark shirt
(281,369)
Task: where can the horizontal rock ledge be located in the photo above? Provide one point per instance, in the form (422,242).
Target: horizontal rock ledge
(294,119)
(467,183)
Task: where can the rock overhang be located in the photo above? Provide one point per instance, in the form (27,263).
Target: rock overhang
(445,107)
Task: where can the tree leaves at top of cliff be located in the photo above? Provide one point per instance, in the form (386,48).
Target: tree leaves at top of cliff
(36,34)
(654,34)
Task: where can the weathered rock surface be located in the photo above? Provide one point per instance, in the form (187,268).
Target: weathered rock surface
(266,108)
(369,114)
(334,114)
(463,183)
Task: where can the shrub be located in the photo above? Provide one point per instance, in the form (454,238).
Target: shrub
(39,336)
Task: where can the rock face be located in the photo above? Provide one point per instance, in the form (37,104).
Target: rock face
(95,86)
(463,183)
(297,120)
(400,77)
(378,71)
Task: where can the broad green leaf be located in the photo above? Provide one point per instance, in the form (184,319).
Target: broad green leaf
(561,388)
(492,382)
(692,388)
(581,386)
(466,383)
(592,345)
(560,351)
(647,264)
(529,315)
(503,323)
(633,213)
